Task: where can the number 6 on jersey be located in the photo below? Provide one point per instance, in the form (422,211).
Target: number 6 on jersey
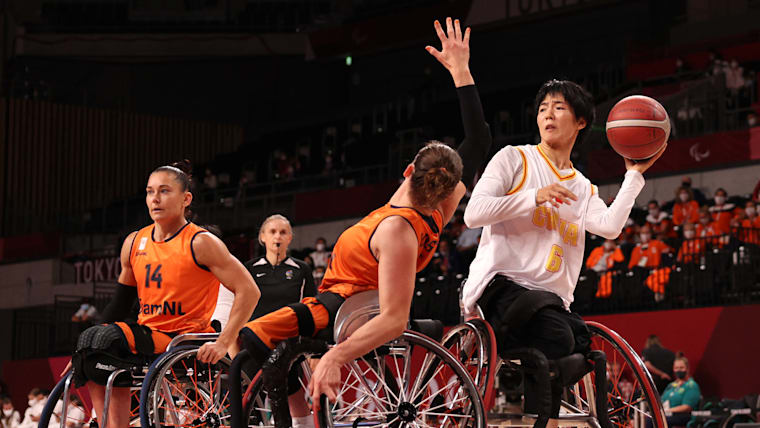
(555,258)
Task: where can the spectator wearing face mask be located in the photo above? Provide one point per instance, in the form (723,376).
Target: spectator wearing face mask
(722,211)
(686,209)
(708,228)
(10,417)
(601,260)
(692,248)
(747,222)
(696,194)
(32,413)
(320,255)
(648,255)
(319,273)
(681,396)
(659,222)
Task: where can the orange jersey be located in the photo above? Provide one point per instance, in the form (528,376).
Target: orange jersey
(176,294)
(353,267)
(684,212)
(691,250)
(652,251)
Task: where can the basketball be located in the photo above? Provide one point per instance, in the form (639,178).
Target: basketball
(637,127)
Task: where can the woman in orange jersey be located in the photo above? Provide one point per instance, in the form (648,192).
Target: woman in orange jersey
(386,249)
(174,267)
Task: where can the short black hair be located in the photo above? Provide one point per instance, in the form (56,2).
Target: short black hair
(653,201)
(579,99)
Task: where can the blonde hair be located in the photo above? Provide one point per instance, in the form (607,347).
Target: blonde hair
(271,218)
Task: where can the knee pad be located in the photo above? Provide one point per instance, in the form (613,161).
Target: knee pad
(97,356)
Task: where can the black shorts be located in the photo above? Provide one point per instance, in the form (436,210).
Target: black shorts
(553,331)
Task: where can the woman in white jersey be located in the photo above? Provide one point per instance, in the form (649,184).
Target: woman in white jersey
(535,209)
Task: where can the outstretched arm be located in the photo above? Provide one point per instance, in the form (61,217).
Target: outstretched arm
(608,222)
(455,56)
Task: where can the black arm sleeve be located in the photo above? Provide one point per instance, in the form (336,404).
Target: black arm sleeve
(309,289)
(119,307)
(477,135)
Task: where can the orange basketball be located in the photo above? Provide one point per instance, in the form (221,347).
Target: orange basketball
(638,127)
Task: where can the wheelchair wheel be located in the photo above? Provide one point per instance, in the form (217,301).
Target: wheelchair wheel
(180,391)
(474,345)
(632,398)
(52,406)
(412,381)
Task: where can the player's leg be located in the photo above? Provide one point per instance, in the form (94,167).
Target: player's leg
(118,407)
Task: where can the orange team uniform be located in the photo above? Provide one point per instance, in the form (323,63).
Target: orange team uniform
(691,250)
(685,212)
(723,216)
(712,230)
(175,293)
(653,252)
(604,288)
(352,269)
(750,234)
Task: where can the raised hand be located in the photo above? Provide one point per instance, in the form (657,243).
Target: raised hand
(455,51)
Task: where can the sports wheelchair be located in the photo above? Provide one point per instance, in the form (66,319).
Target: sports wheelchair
(409,381)
(630,400)
(175,389)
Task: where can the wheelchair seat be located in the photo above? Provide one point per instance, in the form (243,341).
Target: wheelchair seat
(362,307)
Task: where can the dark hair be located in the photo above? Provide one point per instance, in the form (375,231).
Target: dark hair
(183,174)
(437,170)
(579,99)
(653,201)
(720,189)
(35,391)
(182,171)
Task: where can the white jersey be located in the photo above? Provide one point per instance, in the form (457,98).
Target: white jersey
(538,247)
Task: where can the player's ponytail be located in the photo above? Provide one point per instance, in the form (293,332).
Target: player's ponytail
(437,170)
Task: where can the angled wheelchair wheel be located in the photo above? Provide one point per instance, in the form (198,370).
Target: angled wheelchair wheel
(632,398)
(411,381)
(474,345)
(180,391)
(53,407)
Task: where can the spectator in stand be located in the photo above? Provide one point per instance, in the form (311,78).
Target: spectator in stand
(682,395)
(692,248)
(87,312)
(648,255)
(449,262)
(10,417)
(75,415)
(32,413)
(659,222)
(602,260)
(722,211)
(752,120)
(686,209)
(659,361)
(753,219)
(319,273)
(320,255)
(209,180)
(749,224)
(734,81)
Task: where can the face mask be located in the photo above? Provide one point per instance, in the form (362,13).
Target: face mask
(704,220)
(680,374)
(32,402)
(609,246)
(645,237)
(688,234)
(320,247)
(719,200)
(7,413)
(750,212)
(653,212)
(683,197)
(751,121)
(318,276)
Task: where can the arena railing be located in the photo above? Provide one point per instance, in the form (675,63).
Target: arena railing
(717,270)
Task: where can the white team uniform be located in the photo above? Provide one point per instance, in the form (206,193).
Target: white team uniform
(538,247)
